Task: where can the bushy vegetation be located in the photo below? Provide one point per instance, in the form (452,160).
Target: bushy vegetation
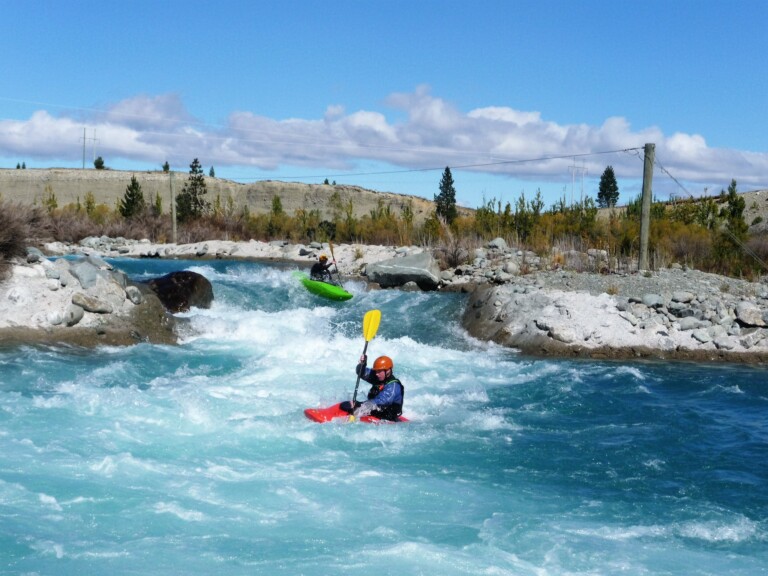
(708,234)
(18,225)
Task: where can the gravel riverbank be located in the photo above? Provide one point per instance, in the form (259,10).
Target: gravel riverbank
(514,300)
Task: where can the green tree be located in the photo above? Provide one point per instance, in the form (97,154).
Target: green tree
(445,201)
(132,203)
(90,203)
(99,163)
(190,202)
(166,167)
(49,201)
(730,239)
(211,173)
(157,208)
(277,218)
(733,213)
(608,192)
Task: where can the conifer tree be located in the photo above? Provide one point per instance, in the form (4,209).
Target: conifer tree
(132,203)
(445,201)
(608,192)
(190,203)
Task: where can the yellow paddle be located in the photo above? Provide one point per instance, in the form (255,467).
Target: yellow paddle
(371,322)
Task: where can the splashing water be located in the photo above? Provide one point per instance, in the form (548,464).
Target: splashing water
(197,458)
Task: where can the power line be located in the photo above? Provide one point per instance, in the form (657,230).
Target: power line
(456,167)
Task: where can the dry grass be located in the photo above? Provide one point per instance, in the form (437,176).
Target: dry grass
(18,223)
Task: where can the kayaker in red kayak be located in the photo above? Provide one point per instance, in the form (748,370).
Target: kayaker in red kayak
(385,398)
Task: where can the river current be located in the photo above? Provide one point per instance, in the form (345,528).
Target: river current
(197,458)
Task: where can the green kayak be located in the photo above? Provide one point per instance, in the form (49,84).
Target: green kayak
(330,291)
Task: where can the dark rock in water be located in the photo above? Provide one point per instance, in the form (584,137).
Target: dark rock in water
(179,291)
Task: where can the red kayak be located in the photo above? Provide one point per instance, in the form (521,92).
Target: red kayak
(334,412)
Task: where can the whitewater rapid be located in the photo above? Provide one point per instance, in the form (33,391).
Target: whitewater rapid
(197,458)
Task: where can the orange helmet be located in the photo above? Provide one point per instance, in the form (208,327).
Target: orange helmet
(323,257)
(382,363)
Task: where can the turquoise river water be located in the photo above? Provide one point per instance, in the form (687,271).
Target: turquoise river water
(197,458)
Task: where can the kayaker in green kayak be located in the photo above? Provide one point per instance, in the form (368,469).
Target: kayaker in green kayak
(320,270)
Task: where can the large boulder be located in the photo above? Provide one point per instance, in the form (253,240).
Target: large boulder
(420,268)
(179,291)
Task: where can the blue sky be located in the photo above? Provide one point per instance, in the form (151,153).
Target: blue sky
(515,96)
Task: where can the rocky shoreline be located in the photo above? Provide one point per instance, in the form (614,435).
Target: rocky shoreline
(671,314)
(516,300)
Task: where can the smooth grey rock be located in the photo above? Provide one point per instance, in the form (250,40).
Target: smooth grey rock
(701,335)
(725,343)
(134,294)
(85,272)
(749,314)
(691,323)
(91,303)
(511,267)
(752,338)
(498,244)
(73,314)
(683,297)
(34,255)
(653,300)
(419,268)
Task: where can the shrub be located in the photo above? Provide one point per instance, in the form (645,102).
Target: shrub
(18,224)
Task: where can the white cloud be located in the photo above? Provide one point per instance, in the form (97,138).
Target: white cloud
(433,133)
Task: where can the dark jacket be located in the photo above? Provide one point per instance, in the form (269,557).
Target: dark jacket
(321,272)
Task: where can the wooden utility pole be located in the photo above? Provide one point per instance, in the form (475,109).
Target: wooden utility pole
(645,210)
(173,207)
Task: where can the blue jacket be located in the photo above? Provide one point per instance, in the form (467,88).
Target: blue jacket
(387,395)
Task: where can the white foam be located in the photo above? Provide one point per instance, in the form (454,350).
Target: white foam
(179,511)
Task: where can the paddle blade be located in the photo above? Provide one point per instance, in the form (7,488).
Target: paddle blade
(371,324)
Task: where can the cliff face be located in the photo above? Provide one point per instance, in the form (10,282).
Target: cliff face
(31,186)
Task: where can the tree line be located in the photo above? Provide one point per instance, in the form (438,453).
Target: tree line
(708,234)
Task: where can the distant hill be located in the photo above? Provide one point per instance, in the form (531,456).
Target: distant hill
(30,186)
